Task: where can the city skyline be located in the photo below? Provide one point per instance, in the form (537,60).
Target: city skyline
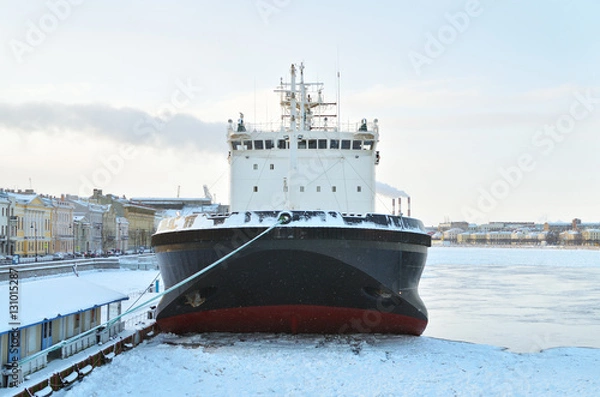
(487,110)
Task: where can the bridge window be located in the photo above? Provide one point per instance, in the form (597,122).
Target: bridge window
(322,143)
(334,144)
(312,143)
(282,144)
(345,144)
(368,145)
(258,145)
(235,145)
(302,144)
(269,144)
(356,145)
(248,145)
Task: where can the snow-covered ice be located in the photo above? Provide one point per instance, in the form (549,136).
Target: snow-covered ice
(238,365)
(525,312)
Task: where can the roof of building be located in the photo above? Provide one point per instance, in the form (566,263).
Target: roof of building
(52,298)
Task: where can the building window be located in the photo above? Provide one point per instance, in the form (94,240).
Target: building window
(272,166)
(254,166)
(318,189)
(302,189)
(333,189)
(358,189)
(255,189)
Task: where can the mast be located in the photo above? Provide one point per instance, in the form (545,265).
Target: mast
(302,99)
(293,140)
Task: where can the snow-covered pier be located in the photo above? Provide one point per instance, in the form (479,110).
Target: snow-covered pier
(64,374)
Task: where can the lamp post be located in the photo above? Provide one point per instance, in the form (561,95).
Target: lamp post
(74,239)
(34,227)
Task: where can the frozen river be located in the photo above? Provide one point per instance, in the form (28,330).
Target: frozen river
(525,299)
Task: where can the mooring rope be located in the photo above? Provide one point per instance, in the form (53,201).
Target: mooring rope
(282,219)
(145,291)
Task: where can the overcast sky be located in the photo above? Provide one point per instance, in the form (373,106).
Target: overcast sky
(489,110)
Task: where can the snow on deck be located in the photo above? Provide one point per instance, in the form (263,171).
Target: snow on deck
(254,219)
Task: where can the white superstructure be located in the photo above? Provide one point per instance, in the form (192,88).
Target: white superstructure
(309,163)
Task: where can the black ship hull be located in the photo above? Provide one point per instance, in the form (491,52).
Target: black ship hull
(294,279)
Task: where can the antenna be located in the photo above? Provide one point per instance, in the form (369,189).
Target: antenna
(339,95)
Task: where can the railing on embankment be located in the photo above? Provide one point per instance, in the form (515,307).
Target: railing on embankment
(75,371)
(39,269)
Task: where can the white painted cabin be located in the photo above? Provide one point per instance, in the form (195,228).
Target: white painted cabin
(308,163)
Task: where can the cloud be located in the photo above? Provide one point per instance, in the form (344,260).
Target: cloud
(120,124)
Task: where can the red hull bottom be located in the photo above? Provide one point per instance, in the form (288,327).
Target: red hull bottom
(293,319)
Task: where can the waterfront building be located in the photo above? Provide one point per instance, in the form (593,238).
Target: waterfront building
(81,234)
(89,224)
(4,224)
(63,228)
(452,234)
(32,219)
(499,237)
(140,222)
(591,236)
(571,237)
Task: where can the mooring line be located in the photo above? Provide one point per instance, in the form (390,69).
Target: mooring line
(282,218)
